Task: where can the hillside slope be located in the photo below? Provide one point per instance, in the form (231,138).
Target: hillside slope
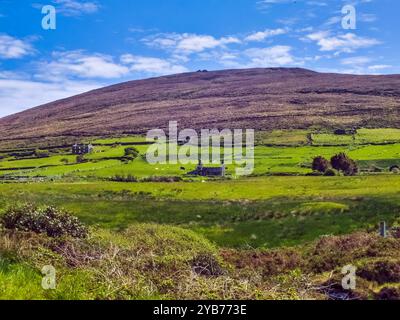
(253,98)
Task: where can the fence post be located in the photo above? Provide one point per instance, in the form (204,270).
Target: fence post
(383,229)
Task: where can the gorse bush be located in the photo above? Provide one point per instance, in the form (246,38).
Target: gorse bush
(47,220)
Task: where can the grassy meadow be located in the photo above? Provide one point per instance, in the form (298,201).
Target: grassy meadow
(281,152)
(281,207)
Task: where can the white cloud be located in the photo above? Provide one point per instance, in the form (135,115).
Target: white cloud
(197,43)
(333,20)
(273,1)
(379,67)
(317,3)
(265,4)
(348,42)
(75,7)
(17,95)
(356,61)
(81,65)
(12,48)
(187,43)
(71,73)
(262,35)
(151,65)
(276,56)
(367,17)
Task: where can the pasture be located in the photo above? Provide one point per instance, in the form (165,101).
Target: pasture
(257,212)
(278,205)
(280,211)
(280,152)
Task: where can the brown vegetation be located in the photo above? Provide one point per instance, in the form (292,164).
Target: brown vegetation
(255,98)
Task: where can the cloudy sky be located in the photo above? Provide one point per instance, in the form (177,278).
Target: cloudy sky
(97,43)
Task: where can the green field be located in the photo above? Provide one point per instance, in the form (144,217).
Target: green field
(278,153)
(281,205)
(232,212)
(260,212)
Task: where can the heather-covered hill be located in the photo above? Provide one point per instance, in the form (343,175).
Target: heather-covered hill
(254,98)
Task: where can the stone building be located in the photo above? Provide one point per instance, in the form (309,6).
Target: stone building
(82,149)
(203,171)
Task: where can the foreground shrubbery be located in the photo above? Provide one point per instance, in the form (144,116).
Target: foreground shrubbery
(377,261)
(144,262)
(148,261)
(48,220)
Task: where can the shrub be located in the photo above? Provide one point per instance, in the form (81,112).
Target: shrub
(332,251)
(395,169)
(330,173)
(47,220)
(162,179)
(381,272)
(207,265)
(314,174)
(122,178)
(80,159)
(320,164)
(41,154)
(131,152)
(342,162)
(388,294)
(376,169)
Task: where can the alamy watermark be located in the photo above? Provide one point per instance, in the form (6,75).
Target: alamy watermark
(49,278)
(349,20)
(226,147)
(49,21)
(349,281)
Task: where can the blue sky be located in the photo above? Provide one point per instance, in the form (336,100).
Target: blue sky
(97,43)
